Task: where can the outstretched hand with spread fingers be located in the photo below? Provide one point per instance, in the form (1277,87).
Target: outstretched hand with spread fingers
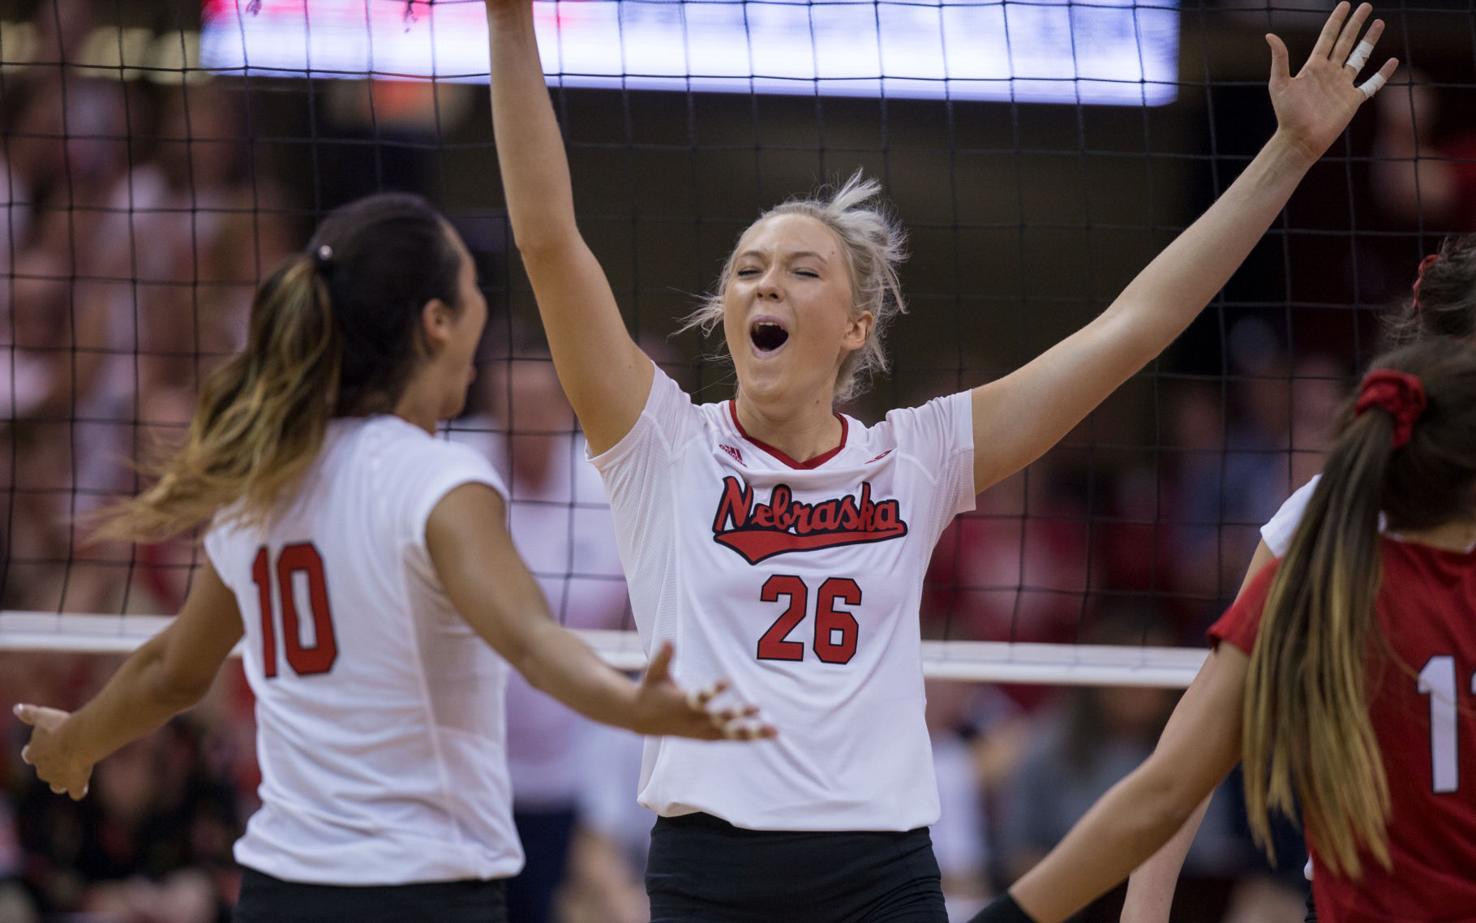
(664,709)
(1315,106)
(46,753)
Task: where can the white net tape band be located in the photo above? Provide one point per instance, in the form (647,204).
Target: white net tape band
(965,661)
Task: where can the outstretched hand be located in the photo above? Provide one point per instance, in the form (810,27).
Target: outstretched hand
(64,772)
(1315,106)
(664,709)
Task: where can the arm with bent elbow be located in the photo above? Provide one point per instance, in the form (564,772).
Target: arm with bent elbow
(167,675)
(493,590)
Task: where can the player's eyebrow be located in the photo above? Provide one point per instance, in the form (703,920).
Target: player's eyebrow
(792,255)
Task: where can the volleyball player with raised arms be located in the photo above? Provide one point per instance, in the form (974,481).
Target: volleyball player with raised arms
(366,563)
(784,544)
(1343,678)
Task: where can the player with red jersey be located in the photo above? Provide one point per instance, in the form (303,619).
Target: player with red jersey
(1441,303)
(1344,677)
(787,542)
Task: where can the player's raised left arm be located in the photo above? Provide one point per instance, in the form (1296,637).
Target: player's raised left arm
(1020,416)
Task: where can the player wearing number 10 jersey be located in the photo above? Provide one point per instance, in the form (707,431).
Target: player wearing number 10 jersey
(369,567)
(787,543)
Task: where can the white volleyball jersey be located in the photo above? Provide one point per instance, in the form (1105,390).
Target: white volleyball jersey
(801,583)
(1278,532)
(380,726)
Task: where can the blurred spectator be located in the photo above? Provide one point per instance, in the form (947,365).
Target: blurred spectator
(960,839)
(1240,448)
(1015,568)
(15,905)
(1316,394)
(606,881)
(146,846)
(1425,158)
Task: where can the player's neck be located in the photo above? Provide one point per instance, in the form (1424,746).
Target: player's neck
(801,432)
(419,408)
(1458,536)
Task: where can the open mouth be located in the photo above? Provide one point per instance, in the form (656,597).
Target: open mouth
(767,335)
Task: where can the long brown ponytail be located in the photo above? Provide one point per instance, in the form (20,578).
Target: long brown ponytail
(1307,737)
(334,332)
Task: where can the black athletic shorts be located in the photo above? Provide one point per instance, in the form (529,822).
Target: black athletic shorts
(704,870)
(265,899)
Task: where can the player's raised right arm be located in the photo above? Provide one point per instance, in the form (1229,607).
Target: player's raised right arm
(604,373)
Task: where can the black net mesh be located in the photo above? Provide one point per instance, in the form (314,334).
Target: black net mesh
(160,160)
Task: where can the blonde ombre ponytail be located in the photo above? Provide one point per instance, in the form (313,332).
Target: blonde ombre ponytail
(334,332)
(260,418)
(1405,448)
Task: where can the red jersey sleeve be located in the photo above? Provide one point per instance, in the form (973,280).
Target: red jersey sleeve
(1242,620)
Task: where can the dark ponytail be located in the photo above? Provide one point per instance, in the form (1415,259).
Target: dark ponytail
(390,255)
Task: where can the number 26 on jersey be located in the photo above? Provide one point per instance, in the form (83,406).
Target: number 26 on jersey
(834,640)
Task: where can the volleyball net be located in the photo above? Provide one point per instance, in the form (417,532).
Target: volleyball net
(160,158)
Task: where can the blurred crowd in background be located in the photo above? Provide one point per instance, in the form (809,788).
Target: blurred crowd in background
(137,222)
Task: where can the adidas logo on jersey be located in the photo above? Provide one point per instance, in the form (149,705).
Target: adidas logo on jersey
(737,455)
(758,531)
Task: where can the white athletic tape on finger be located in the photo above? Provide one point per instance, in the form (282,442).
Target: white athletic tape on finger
(1371,86)
(1360,56)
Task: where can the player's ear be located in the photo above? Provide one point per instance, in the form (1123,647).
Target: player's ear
(859,329)
(436,322)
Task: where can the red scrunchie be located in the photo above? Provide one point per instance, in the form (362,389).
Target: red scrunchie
(1425,264)
(1401,394)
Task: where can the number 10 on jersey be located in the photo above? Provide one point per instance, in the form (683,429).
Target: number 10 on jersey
(293,560)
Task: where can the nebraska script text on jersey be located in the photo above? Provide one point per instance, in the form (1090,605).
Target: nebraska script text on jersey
(761,530)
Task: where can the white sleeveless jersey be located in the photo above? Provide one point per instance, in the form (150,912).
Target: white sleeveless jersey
(1277,533)
(380,725)
(1282,527)
(801,583)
